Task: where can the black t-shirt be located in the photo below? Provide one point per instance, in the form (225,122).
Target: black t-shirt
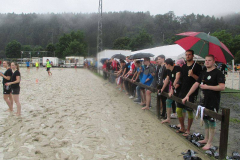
(108,66)
(188,81)
(127,67)
(211,99)
(14,78)
(223,67)
(172,77)
(8,72)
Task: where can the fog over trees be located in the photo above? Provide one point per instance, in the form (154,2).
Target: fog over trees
(121,30)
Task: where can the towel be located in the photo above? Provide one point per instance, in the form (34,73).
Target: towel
(198,111)
(202,114)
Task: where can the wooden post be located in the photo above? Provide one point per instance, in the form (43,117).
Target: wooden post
(158,106)
(224,133)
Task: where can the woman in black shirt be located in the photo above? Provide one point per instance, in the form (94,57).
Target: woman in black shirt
(7,96)
(15,81)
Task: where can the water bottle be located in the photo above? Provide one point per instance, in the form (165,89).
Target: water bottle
(7,87)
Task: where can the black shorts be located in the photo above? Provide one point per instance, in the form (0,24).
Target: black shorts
(48,69)
(28,66)
(16,90)
(5,91)
(192,99)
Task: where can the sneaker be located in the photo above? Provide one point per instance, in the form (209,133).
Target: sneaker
(135,99)
(131,97)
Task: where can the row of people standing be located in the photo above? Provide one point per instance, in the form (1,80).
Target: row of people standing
(11,85)
(181,80)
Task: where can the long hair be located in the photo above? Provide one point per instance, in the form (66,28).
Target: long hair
(16,64)
(8,63)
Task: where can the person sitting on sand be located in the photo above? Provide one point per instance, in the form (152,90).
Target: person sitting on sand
(7,96)
(212,82)
(15,81)
(173,76)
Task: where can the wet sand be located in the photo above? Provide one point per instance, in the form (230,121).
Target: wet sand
(77,115)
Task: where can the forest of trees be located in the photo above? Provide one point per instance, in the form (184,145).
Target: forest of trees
(63,33)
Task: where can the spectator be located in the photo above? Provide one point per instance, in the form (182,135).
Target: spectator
(147,79)
(137,78)
(189,75)
(156,82)
(173,76)
(212,82)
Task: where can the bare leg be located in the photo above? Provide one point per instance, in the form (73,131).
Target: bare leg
(148,99)
(179,125)
(168,116)
(143,97)
(209,142)
(190,121)
(182,127)
(206,137)
(8,100)
(16,100)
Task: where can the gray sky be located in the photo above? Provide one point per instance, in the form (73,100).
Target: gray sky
(180,7)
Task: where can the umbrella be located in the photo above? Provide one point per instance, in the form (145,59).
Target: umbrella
(141,55)
(103,60)
(203,44)
(119,56)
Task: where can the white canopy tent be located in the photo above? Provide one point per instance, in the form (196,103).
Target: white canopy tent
(174,52)
(169,51)
(109,54)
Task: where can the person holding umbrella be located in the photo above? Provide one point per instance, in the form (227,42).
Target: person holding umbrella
(212,82)
(189,76)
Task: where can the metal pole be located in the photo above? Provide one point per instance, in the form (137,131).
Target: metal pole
(21,55)
(232,72)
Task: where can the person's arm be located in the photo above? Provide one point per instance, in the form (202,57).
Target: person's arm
(219,87)
(170,92)
(17,81)
(124,72)
(5,77)
(178,75)
(134,75)
(165,83)
(138,73)
(151,75)
(193,88)
(191,74)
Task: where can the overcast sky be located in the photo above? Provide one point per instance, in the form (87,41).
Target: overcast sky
(180,7)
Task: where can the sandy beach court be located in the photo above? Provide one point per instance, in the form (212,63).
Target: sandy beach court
(77,115)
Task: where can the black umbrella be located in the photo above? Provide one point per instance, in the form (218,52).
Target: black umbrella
(119,56)
(141,55)
(103,60)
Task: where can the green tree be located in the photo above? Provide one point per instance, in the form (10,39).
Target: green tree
(141,41)
(235,45)
(225,38)
(71,44)
(237,57)
(27,48)
(13,49)
(122,43)
(2,54)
